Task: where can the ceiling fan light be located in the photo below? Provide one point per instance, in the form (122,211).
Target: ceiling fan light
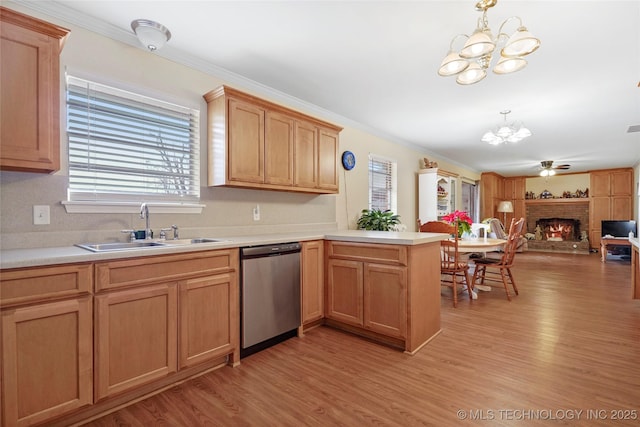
(521,43)
(551,172)
(473,74)
(508,65)
(452,64)
(478,44)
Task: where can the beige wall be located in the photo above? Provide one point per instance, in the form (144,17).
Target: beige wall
(228,211)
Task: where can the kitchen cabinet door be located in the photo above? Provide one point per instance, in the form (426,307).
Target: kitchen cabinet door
(209,319)
(621,208)
(385,299)
(47,360)
(622,182)
(135,337)
(328,147)
(600,184)
(246,142)
(305,159)
(345,291)
(312,281)
(29,105)
(278,151)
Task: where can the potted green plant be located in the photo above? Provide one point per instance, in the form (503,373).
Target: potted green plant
(376,219)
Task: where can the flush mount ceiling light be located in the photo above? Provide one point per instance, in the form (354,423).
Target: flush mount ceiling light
(506,132)
(470,64)
(151,34)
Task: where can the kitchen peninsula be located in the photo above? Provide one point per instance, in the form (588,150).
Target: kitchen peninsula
(382,285)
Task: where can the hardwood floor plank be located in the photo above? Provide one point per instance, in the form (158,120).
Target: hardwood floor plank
(569,342)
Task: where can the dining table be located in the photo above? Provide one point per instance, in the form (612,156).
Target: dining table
(481,245)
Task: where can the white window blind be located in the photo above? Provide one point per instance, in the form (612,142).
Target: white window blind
(124,146)
(382,183)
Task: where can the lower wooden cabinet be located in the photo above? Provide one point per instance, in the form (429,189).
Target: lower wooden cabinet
(135,337)
(66,348)
(385,299)
(209,316)
(312,274)
(47,360)
(366,294)
(156,315)
(386,292)
(372,296)
(345,291)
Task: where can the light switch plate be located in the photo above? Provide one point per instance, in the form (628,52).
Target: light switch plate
(41,215)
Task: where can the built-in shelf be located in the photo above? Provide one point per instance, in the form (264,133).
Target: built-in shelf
(557,200)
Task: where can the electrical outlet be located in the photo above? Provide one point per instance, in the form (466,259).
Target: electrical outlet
(256,213)
(41,215)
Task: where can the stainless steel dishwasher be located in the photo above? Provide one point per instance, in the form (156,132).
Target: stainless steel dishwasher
(270,295)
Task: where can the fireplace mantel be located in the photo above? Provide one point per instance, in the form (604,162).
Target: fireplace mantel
(556,200)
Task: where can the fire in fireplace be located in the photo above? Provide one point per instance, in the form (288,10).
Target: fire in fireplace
(559,229)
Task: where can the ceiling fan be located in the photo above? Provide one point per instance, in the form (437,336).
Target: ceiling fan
(547,168)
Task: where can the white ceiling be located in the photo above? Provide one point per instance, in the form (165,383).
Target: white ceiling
(374,64)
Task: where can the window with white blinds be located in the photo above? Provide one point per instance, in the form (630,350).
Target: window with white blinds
(128,147)
(382,183)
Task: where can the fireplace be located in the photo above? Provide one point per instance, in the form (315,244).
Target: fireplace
(563,225)
(558,229)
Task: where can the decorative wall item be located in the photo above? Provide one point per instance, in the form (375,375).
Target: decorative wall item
(428,164)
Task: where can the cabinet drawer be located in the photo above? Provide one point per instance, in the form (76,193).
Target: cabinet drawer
(44,283)
(140,271)
(386,254)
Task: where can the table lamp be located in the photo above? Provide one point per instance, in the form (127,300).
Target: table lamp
(504,207)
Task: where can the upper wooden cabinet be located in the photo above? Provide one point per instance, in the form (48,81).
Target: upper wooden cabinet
(254,143)
(30,93)
(514,188)
(613,182)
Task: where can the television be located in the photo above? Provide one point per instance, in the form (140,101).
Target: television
(618,228)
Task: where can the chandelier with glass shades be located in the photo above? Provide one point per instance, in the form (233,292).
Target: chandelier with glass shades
(470,64)
(506,132)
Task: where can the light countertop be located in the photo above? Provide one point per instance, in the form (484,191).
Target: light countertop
(18,258)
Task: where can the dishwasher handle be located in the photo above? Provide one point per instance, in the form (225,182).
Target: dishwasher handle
(270,250)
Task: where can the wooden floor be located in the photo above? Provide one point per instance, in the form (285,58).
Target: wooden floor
(566,351)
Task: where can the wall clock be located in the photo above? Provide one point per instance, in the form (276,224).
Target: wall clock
(348,160)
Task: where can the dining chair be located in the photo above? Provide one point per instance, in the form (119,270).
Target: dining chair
(450,260)
(499,270)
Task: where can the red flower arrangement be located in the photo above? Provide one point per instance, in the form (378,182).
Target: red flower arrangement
(461,219)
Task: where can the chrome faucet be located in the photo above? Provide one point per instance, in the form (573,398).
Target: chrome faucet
(144,214)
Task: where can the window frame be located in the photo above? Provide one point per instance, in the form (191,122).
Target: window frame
(391,179)
(120,199)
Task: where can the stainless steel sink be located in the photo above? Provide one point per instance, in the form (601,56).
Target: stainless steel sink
(141,244)
(118,246)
